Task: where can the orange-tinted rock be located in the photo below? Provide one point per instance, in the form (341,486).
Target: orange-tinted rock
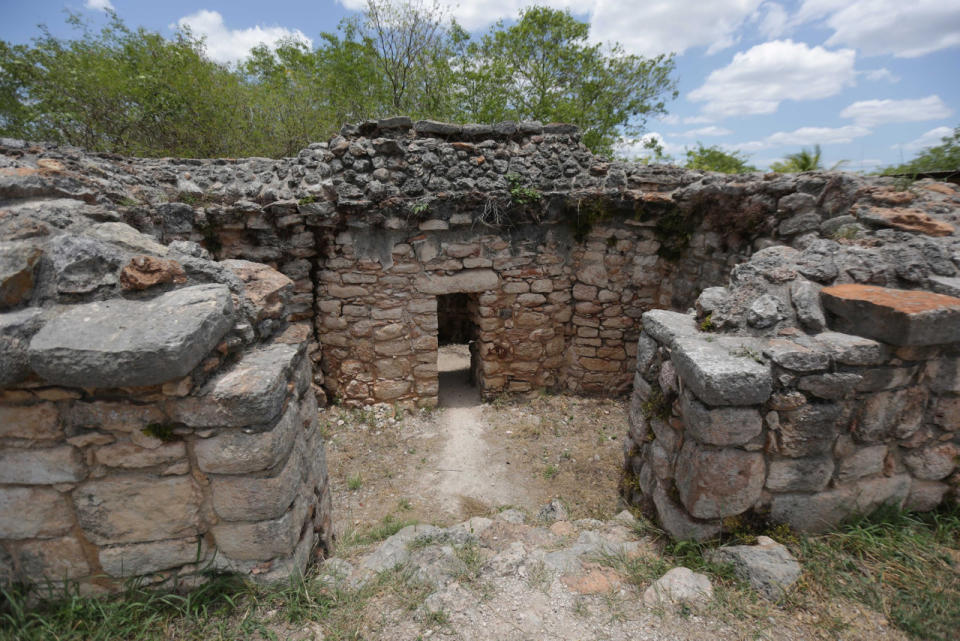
(905,219)
(267,289)
(894,316)
(143,272)
(941,188)
(888,196)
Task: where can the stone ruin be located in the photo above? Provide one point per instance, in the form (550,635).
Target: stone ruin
(168,328)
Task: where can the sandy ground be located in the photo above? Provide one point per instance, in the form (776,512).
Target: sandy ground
(468,459)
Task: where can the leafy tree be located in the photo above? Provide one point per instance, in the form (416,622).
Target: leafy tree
(121,90)
(543,68)
(715,159)
(942,157)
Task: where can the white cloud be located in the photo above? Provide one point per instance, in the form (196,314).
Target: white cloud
(930,139)
(661,26)
(759,79)
(870,113)
(882,74)
(231,45)
(806,136)
(99,5)
(649,28)
(904,29)
(712,130)
(636,148)
(669,119)
(774,21)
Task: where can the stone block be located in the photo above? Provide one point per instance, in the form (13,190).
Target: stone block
(675,520)
(862,461)
(130,455)
(666,327)
(120,342)
(885,415)
(33,422)
(925,495)
(809,430)
(897,317)
(261,540)
(60,559)
(795,357)
(237,452)
(18,266)
(252,392)
(805,297)
(138,559)
(248,498)
(824,510)
(33,512)
(264,287)
(799,474)
(832,386)
(943,375)
(847,349)
(946,412)
(715,483)
(135,508)
(719,373)
(16,328)
(114,416)
(719,425)
(470,280)
(49,466)
(933,462)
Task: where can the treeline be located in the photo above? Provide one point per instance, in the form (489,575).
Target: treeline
(134,92)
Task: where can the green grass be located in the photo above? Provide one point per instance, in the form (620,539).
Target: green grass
(227,608)
(905,566)
(355,482)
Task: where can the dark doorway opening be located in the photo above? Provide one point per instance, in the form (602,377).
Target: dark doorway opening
(457,361)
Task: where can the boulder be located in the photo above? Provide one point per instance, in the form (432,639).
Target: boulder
(679,586)
(767,566)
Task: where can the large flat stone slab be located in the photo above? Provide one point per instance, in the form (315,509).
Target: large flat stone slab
(120,343)
(722,372)
(894,316)
(470,280)
(251,392)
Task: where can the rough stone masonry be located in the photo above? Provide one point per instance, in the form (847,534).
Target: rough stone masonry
(167,327)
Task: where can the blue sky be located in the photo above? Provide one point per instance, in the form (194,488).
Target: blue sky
(872,81)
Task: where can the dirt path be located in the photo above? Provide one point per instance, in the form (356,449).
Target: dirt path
(467,469)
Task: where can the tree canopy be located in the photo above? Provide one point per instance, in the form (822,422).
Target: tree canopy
(132,91)
(714,158)
(942,157)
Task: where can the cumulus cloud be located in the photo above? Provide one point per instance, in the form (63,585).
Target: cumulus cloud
(870,113)
(703,132)
(99,5)
(930,139)
(904,29)
(231,45)
(759,79)
(807,136)
(648,28)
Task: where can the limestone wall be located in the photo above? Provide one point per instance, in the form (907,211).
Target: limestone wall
(801,427)
(158,416)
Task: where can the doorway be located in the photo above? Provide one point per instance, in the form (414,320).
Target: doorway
(457,360)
